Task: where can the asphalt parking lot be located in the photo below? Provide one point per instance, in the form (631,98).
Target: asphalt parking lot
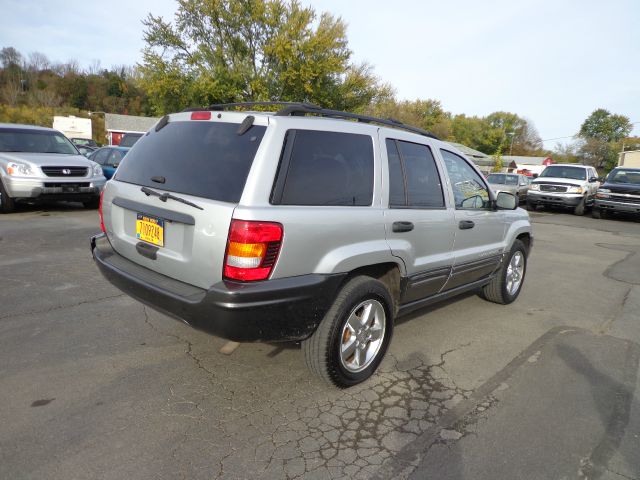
(94,385)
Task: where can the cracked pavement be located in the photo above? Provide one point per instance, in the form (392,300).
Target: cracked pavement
(94,385)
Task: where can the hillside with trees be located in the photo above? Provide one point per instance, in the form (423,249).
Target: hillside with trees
(266,50)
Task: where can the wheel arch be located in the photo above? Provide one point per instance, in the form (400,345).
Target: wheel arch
(388,273)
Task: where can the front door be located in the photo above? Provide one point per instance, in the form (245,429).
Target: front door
(480,230)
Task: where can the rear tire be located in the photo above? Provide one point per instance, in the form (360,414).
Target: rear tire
(7,204)
(507,284)
(353,337)
(580,208)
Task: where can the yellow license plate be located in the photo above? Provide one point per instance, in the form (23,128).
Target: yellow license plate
(150,229)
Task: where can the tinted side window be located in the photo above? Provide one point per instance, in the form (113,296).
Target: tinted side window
(412,169)
(469,189)
(115,157)
(325,168)
(423,182)
(397,195)
(101,156)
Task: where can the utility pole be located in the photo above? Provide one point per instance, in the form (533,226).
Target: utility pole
(513,135)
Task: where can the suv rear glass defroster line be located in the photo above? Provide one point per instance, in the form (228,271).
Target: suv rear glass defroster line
(204,159)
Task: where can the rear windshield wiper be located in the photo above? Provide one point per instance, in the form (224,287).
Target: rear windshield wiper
(167,196)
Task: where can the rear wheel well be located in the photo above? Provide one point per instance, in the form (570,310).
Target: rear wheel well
(388,274)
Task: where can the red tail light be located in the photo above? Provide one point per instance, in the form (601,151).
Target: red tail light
(100,212)
(201,116)
(252,250)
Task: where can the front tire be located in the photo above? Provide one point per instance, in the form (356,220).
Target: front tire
(507,284)
(353,337)
(580,208)
(7,204)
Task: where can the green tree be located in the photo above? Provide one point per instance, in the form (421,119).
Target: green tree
(602,134)
(497,158)
(604,126)
(499,130)
(598,153)
(252,50)
(477,133)
(426,114)
(522,136)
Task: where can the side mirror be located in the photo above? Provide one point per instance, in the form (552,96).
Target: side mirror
(593,179)
(506,201)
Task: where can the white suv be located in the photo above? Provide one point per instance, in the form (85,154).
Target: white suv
(564,185)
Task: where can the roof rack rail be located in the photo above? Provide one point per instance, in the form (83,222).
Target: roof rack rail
(219,107)
(303,108)
(227,106)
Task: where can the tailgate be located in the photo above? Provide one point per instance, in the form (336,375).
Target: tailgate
(197,158)
(191,243)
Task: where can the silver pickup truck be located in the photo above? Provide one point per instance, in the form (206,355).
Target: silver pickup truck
(41,164)
(302,226)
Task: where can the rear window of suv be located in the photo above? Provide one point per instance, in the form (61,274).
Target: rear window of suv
(204,159)
(325,168)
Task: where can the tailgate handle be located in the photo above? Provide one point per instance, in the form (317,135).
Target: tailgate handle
(402,226)
(466,224)
(147,250)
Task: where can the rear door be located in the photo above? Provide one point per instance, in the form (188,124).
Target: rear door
(419,226)
(203,162)
(480,230)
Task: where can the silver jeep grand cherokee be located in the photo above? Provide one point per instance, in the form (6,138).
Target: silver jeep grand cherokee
(302,226)
(38,163)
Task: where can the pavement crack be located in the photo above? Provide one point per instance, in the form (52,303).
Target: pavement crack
(621,474)
(189,346)
(606,325)
(61,307)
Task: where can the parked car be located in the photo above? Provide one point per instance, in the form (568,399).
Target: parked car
(84,150)
(38,163)
(564,185)
(302,226)
(512,183)
(109,159)
(84,142)
(620,193)
(129,139)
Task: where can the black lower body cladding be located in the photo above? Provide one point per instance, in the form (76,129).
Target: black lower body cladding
(287,309)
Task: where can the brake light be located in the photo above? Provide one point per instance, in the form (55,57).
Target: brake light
(252,250)
(100,212)
(200,115)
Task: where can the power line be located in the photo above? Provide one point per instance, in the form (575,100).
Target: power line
(575,135)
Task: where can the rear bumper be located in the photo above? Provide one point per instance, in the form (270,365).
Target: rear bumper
(615,206)
(286,309)
(550,198)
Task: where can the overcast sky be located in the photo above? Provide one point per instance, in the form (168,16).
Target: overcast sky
(551,61)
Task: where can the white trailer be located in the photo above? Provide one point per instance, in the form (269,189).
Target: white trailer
(73,127)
